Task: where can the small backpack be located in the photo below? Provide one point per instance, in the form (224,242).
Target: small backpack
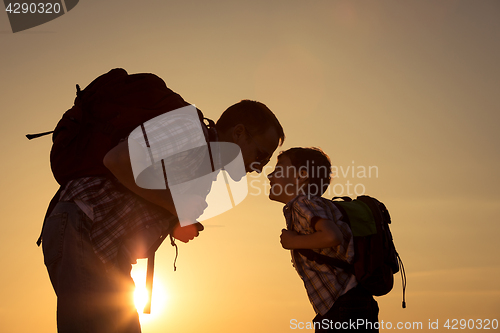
(375,257)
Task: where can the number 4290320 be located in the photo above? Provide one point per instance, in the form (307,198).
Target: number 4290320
(463,324)
(33,8)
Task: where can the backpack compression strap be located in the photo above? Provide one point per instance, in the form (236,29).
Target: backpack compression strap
(37,135)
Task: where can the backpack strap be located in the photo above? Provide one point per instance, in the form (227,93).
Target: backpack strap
(37,135)
(151,269)
(403,279)
(149,281)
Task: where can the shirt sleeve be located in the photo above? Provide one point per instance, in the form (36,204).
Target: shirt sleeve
(308,211)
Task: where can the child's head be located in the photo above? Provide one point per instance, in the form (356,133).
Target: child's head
(300,171)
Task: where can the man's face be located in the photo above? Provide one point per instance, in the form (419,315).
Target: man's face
(257,149)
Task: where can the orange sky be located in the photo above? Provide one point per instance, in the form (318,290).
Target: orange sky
(409,87)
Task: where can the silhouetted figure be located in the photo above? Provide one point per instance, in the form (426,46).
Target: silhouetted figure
(100,224)
(301,176)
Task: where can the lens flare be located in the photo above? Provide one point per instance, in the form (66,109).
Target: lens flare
(159,298)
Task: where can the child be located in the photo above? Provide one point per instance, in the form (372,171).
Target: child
(301,176)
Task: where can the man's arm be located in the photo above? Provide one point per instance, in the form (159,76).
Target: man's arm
(327,235)
(117,160)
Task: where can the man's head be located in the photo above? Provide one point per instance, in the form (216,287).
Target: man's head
(300,171)
(255,129)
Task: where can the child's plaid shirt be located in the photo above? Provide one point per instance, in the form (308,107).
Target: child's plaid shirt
(323,284)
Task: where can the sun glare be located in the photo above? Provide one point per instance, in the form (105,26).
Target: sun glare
(159,297)
(140,297)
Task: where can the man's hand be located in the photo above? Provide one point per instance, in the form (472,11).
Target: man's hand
(287,238)
(187,233)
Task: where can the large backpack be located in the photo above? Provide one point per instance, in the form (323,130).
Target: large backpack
(105,112)
(375,257)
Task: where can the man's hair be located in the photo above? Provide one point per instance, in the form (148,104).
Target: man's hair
(315,162)
(255,116)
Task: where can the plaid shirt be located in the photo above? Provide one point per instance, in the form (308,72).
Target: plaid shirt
(323,284)
(118,217)
(123,221)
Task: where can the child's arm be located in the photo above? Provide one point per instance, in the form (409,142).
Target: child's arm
(327,235)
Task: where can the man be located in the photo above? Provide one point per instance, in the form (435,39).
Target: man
(102,224)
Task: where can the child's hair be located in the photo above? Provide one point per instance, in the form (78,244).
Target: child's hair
(315,162)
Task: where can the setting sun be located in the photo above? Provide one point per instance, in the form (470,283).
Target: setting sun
(159,297)
(402,95)
(140,297)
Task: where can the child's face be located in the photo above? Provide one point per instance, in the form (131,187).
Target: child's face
(285,181)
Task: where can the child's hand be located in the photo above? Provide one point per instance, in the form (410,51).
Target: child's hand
(287,238)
